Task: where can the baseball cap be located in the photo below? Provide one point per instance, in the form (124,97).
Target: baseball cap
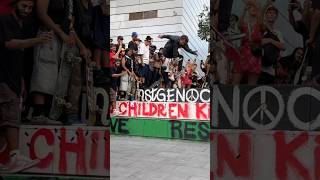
(134,34)
(148,38)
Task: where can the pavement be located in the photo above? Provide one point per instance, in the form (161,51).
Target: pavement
(140,158)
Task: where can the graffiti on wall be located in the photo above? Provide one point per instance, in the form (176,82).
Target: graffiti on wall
(173,129)
(77,151)
(266,108)
(265,155)
(265,132)
(167,110)
(186,104)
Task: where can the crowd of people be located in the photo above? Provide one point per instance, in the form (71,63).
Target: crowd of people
(37,39)
(249,48)
(141,65)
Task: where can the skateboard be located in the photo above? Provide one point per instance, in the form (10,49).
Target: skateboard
(69,59)
(299,72)
(90,94)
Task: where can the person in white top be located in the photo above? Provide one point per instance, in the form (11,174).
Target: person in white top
(144,50)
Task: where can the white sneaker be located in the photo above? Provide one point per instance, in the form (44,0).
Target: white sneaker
(17,164)
(42,120)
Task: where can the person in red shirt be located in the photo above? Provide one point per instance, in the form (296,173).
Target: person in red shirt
(5,6)
(114,55)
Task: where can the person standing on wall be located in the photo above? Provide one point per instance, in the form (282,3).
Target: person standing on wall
(314,40)
(13,41)
(249,64)
(272,44)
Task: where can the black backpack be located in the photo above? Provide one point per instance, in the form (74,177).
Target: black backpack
(270,52)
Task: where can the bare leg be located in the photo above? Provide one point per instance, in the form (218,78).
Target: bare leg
(39,99)
(12,136)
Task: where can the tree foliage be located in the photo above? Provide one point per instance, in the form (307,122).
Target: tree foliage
(204,24)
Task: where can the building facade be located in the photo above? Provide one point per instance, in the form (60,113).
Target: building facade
(156,17)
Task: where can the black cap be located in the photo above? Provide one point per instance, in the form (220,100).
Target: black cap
(120,37)
(148,38)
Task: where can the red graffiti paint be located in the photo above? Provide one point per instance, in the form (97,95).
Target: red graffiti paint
(94,150)
(107,150)
(165,110)
(161,110)
(144,110)
(172,106)
(78,148)
(132,108)
(121,107)
(199,111)
(183,111)
(317,158)
(211,137)
(285,155)
(49,137)
(153,109)
(5,156)
(239,162)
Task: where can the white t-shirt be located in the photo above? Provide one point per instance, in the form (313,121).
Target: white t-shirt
(145,52)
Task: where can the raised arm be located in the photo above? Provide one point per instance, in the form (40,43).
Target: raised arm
(187,48)
(166,36)
(42,12)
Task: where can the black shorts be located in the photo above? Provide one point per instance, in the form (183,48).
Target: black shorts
(10,107)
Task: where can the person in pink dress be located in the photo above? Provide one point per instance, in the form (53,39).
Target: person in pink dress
(249,63)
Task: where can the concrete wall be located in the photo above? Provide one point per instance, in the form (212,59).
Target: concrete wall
(169,19)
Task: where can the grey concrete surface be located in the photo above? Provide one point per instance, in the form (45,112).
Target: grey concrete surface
(139,158)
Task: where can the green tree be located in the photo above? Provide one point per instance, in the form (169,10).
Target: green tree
(204,24)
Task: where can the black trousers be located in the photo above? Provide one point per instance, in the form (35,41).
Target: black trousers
(266,79)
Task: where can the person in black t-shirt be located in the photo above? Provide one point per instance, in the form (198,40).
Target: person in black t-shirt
(13,41)
(116,72)
(314,40)
(175,42)
(134,43)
